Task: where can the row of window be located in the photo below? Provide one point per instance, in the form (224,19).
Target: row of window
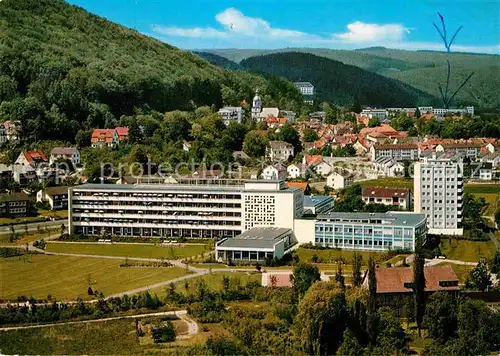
(151,221)
(110,195)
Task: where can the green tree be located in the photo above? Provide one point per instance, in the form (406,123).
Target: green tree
(357,261)
(374,122)
(339,276)
(350,345)
(288,133)
(310,135)
(372,315)
(479,277)
(304,275)
(419,284)
(321,319)
(255,144)
(164,332)
(441,317)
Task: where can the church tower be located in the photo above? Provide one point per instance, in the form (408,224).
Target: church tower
(256,105)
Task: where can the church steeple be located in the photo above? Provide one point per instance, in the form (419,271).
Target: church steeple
(256,105)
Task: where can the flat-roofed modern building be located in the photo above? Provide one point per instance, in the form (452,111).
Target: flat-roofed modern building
(191,208)
(438,191)
(370,231)
(317,204)
(256,245)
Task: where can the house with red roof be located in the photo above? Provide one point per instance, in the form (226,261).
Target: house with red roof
(32,158)
(122,133)
(395,284)
(104,138)
(397,197)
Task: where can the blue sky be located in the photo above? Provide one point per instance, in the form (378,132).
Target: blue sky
(343,24)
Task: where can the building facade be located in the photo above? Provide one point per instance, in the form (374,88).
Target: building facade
(65,153)
(398,152)
(370,231)
(231,113)
(14,205)
(397,197)
(192,208)
(255,245)
(56,197)
(279,151)
(438,190)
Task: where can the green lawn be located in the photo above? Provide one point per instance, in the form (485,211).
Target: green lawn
(482,188)
(30,219)
(58,214)
(213,281)
(491,201)
(130,250)
(462,271)
(66,278)
(330,256)
(388,182)
(466,250)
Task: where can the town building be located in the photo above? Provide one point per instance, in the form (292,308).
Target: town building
(304,186)
(231,113)
(121,133)
(466,150)
(274,172)
(23,175)
(11,130)
(240,155)
(266,113)
(485,171)
(256,245)
(65,153)
(438,190)
(14,205)
(305,88)
(279,151)
(395,285)
(56,197)
(256,105)
(32,158)
(104,138)
(191,208)
(340,180)
(375,113)
(317,204)
(3,134)
(370,231)
(397,197)
(399,152)
(296,170)
(493,158)
(388,167)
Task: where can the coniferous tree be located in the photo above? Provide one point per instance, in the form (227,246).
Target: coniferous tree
(356,269)
(372,317)
(419,284)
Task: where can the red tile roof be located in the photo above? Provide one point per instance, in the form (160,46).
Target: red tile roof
(102,135)
(312,159)
(385,192)
(392,280)
(34,156)
(122,133)
(301,185)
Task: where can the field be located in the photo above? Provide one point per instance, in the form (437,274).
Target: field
(388,182)
(482,188)
(130,250)
(67,278)
(492,200)
(213,281)
(330,256)
(467,250)
(462,271)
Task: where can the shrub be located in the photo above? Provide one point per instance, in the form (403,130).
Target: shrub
(164,332)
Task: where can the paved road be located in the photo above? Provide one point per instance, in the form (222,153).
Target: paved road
(182,314)
(33,226)
(437,261)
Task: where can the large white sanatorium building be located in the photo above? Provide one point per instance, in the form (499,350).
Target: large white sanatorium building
(438,189)
(191,209)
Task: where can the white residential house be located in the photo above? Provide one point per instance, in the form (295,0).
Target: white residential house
(470,150)
(231,113)
(268,112)
(56,197)
(279,151)
(493,158)
(322,168)
(65,153)
(296,170)
(339,180)
(399,152)
(389,167)
(3,134)
(186,146)
(305,88)
(274,172)
(492,147)
(396,197)
(486,171)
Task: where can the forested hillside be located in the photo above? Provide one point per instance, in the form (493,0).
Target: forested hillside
(63,69)
(421,69)
(337,82)
(218,60)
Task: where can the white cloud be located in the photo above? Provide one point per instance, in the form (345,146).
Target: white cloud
(237,30)
(207,32)
(360,32)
